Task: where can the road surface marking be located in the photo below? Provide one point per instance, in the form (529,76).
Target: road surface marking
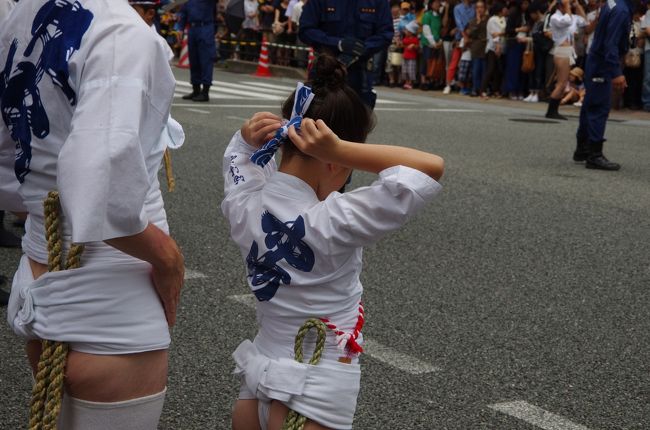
(536,416)
(226,106)
(238,118)
(193,274)
(220,90)
(371,348)
(198,110)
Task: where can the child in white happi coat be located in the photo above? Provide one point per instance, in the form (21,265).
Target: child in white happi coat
(302,242)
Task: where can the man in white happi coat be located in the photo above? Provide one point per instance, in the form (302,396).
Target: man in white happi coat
(85,94)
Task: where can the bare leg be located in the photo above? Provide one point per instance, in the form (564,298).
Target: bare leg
(245,416)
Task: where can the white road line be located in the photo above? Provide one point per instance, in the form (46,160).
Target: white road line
(221,90)
(214,95)
(286,88)
(396,359)
(226,106)
(393,102)
(254,87)
(372,348)
(198,110)
(193,274)
(238,118)
(536,416)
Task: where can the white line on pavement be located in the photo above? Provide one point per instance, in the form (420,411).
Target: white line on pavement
(198,110)
(372,348)
(238,118)
(193,274)
(536,416)
(286,88)
(225,106)
(396,359)
(223,89)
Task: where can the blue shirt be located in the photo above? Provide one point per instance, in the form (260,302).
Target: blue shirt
(463,15)
(198,11)
(324,22)
(611,40)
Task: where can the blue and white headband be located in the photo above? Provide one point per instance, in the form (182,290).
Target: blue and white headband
(301,103)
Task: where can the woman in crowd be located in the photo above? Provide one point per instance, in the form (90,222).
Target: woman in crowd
(563,25)
(517,27)
(493,49)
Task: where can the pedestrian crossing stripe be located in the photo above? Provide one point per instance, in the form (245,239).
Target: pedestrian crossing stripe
(253,90)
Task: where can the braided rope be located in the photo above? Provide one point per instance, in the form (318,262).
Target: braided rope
(347,341)
(171,182)
(294,420)
(47,392)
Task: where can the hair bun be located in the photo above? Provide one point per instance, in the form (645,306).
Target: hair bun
(328,72)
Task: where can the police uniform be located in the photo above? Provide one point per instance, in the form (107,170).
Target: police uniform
(325,23)
(199,15)
(610,43)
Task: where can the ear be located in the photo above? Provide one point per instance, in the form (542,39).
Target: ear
(151,13)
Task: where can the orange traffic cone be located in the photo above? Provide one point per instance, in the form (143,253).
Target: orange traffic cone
(263,64)
(184,60)
(310,59)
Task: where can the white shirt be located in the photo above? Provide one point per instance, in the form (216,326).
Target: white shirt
(297,11)
(564,26)
(250,15)
(494,25)
(591,17)
(645,24)
(303,255)
(97,139)
(6,6)
(94,133)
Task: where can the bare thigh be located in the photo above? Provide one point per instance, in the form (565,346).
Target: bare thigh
(245,416)
(562,68)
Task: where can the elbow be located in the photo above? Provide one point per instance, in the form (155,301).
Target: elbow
(436,167)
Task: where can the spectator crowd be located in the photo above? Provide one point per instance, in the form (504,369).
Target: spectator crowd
(478,48)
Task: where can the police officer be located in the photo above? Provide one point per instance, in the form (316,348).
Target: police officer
(200,15)
(353,30)
(603,72)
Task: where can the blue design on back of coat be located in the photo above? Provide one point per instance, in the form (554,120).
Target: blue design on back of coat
(284,241)
(59,26)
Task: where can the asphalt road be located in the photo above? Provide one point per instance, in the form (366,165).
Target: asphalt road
(518,299)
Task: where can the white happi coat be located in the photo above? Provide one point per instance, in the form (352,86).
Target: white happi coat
(85,94)
(304,259)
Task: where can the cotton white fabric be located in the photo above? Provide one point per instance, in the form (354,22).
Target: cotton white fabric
(326,393)
(564,26)
(102,154)
(142,413)
(335,230)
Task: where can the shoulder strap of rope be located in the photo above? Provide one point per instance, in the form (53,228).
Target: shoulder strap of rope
(47,392)
(294,420)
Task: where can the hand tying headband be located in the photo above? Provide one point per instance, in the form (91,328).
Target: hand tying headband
(301,103)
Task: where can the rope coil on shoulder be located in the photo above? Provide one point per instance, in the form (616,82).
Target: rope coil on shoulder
(47,392)
(294,420)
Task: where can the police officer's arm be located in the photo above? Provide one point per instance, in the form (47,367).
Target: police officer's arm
(617,28)
(309,31)
(384,33)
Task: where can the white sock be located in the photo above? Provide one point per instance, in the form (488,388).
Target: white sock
(142,413)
